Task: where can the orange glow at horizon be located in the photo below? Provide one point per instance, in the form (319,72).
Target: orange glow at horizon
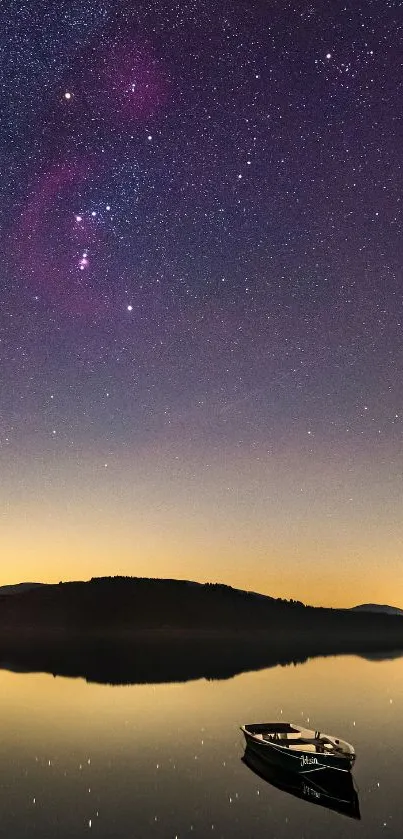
(284,526)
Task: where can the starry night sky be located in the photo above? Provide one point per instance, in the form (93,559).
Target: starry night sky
(201,302)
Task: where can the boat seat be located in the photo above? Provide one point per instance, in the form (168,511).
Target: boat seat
(300,741)
(314,741)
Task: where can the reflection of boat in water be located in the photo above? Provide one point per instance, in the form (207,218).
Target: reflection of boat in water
(334,790)
(299,749)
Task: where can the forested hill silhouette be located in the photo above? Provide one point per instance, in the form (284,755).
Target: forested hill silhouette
(141,603)
(125,630)
(111,604)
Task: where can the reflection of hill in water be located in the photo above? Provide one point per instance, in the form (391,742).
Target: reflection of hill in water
(157,658)
(129,630)
(383,655)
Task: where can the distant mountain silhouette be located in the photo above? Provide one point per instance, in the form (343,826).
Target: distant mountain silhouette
(19,587)
(374,607)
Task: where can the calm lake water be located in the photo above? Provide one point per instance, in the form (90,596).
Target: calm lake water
(164,761)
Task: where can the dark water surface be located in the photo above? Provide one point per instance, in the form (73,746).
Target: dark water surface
(164,761)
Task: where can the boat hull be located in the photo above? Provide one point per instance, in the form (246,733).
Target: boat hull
(300,761)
